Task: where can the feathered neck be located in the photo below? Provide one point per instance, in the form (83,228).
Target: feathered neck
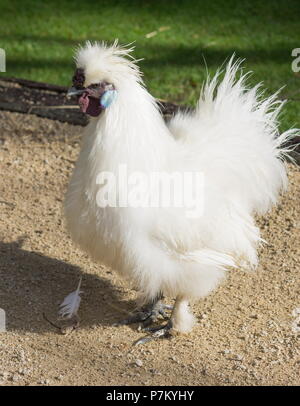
(132,129)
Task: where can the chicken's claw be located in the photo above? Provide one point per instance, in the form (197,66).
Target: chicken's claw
(147,315)
(158,332)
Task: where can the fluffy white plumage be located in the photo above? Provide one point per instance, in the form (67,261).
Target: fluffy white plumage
(232,137)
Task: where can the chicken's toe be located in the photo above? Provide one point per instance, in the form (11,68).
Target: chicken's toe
(163,331)
(147,315)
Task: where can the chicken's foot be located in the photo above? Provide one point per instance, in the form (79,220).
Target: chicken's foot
(148,314)
(181,320)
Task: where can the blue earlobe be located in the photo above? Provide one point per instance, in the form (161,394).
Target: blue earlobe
(107,98)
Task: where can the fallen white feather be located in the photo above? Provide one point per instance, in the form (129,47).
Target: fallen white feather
(69,307)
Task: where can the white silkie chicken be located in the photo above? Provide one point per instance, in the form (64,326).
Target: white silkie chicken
(231,139)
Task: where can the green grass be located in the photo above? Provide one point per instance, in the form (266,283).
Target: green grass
(39,39)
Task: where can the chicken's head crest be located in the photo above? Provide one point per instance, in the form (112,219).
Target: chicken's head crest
(101,69)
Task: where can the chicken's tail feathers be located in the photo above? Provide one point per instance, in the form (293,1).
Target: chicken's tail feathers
(214,87)
(286,145)
(225,95)
(233,97)
(235,125)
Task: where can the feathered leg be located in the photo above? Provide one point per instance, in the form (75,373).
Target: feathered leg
(181,320)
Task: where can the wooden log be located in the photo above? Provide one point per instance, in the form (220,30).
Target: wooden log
(36,85)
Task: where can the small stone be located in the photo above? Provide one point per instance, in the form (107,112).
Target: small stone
(4,374)
(44,382)
(23,371)
(138,363)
